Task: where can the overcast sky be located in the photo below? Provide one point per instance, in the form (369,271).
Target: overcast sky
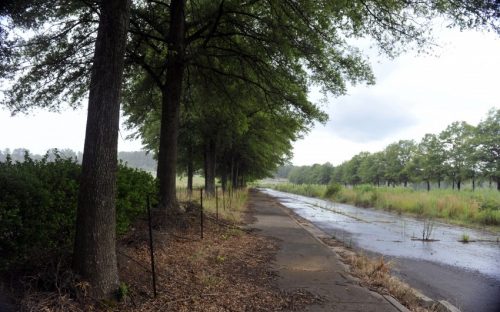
(413,95)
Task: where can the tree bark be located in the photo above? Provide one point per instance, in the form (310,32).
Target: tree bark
(171,98)
(473,184)
(459,183)
(94,257)
(428,185)
(210,160)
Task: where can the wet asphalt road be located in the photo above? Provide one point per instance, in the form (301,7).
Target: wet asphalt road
(467,275)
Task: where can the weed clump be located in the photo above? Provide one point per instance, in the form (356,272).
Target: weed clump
(332,190)
(465,238)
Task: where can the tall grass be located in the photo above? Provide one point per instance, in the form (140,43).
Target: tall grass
(311,190)
(231,206)
(481,207)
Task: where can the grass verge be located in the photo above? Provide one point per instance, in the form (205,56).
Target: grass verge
(375,274)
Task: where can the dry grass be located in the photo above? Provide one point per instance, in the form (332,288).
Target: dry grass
(375,274)
(229,270)
(231,206)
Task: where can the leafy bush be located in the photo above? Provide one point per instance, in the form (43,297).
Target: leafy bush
(37,207)
(133,186)
(364,188)
(332,190)
(38,201)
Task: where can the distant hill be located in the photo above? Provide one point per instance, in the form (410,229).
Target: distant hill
(137,159)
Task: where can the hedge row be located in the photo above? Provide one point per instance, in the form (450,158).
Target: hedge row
(38,201)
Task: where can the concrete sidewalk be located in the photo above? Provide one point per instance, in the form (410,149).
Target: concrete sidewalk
(303,262)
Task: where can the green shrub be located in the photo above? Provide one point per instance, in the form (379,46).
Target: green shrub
(133,186)
(364,188)
(332,190)
(489,217)
(38,201)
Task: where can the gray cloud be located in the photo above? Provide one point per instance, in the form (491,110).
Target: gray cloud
(369,118)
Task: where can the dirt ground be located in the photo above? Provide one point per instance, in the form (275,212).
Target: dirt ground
(228,270)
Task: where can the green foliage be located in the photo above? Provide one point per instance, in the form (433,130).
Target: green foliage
(312,190)
(133,186)
(315,174)
(465,238)
(249,65)
(38,205)
(37,208)
(332,190)
(487,144)
(123,291)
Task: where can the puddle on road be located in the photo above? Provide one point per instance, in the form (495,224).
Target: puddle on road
(391,234)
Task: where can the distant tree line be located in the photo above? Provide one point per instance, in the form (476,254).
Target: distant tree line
(136,159)
(460,153)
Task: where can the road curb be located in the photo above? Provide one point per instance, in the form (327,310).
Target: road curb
(445,306)
(318,234)
(396,303)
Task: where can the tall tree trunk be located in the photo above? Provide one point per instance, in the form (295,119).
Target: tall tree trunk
(428,185)
(94,257)
(459,183)
(473,184)
(210,160)
(453,185)
(171,97)
(405,183)
(439,184)
(498,184)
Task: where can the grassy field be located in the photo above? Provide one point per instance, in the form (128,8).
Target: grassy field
(198,181)
(481,207)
